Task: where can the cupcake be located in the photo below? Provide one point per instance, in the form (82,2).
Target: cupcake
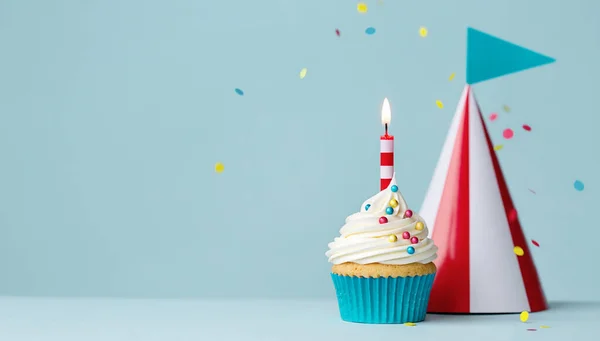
(383,262)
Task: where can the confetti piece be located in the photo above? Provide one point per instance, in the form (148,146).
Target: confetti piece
(239,92)
(493,116)
(531,329)
(337,32)
(508,133)
(423,32)
(498,147)
(362,7)
(303,73)
(526,127)
(544,327)
(519,252)
(439,104)
(535,243)
(506,108)
(410,324)
(524,316)
(512,215)
(370,30)
(219,167)
(532,191)
(451,76)
(578,185)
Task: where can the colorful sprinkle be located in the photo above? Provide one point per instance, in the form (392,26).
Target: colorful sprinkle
(531,329)
(498,147)
(534,242)
(367,206)
(439,104)
(389,210)
(219,167)
(239,91)
(408,214)
(410,324)
(508,133)
(532,191)
(410,250)
(362,7)
(452,75)
(526,127)
(493,116)
(518,251)
(337,32)
(394,188)
(423,31)
(370,30)
(414,240)
(405,235)
(544,327)
(506,108)
(419,226)
(394,203)
(578,185)
(392,238)
(524,316)
(303,73)
(383,220)
(512,215)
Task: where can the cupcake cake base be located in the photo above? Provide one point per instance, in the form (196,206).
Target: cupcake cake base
(382,293)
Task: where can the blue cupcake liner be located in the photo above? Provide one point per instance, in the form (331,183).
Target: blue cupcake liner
(384,299)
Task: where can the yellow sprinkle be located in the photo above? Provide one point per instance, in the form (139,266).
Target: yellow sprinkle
(524,316)
(362,7)
(498,147)
(451,76)
(303,73)
(410,324)
(423,32)
(419,226)
(544,327)
(439,104)
(392,238)
(394,203)
(518,251)
(219,167)
(506,108)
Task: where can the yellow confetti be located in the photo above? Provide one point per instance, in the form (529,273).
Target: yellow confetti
(451,76)
(498,147)
(544,327)
(303,73)
(219,167)
(518,251)
(439,104)
(423,32)
(362,7)
(410,324)
(506,108)
(524,316)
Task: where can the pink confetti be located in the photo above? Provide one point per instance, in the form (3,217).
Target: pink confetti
(493,116)
(512,215)
(337,32)
(508,133)
(535,243)
(526,127)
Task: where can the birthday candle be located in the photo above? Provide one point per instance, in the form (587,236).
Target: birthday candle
(386,163)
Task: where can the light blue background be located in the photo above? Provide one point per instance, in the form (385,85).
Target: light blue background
(113,114)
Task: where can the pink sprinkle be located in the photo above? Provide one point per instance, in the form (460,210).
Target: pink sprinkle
(535,243)
(493,116)
(337,32)
(531,329)
(508,133)
(526,127)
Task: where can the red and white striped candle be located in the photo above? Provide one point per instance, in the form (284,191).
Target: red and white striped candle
(386,148)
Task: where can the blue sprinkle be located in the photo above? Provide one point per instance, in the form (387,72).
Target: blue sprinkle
(394,188)
(367,207)
(410,250)
(578,185)
(370,30)
(389,210)
(239,91)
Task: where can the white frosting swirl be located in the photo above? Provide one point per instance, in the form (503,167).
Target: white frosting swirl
(365,240)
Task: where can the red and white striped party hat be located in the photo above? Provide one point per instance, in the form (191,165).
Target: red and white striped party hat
(484,264)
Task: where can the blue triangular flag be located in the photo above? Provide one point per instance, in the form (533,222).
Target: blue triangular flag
(490,57)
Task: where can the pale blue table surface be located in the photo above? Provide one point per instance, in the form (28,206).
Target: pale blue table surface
(41,319)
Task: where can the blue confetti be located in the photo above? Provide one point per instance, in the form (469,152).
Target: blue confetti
(239,92)
(578,185)
(370,30)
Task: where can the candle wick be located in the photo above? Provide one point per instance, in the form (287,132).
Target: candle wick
(386,129)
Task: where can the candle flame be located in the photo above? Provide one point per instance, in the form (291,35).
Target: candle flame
(386,112)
